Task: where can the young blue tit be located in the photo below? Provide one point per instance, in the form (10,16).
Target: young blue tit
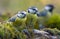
(47,11)
(20,20)
(21,14)
(31,17)
(45,14)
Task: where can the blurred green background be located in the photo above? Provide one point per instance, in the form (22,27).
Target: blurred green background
(17,5)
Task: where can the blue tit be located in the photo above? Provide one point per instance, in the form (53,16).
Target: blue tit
(20,15)
(45,14)
(47,9)
(31,17)
(18,21)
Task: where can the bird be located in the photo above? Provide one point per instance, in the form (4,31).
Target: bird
(21,14)
(45,14)
(48,8)
(31,19)
(31,16)
(18,20)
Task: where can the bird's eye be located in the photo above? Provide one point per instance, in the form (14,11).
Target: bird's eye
(21,14)
(34,9)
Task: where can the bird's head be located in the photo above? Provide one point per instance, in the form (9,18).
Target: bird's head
(32,10)
(21,14)
(49,7)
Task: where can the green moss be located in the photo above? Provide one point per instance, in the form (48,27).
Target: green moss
(53,21)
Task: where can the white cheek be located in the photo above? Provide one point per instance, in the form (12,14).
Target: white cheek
(19,15)
(47,8)
(30,10)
